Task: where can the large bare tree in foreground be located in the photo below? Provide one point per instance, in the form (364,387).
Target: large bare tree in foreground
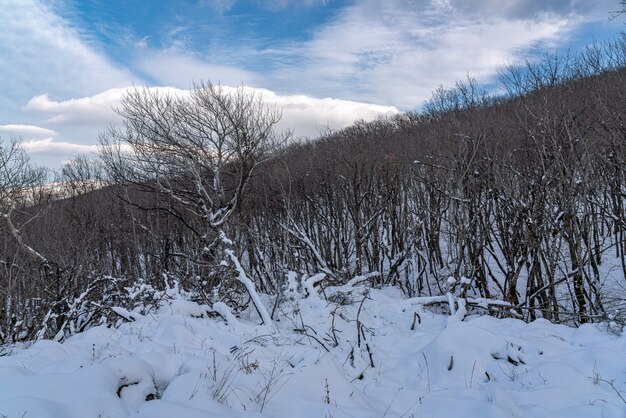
(196,150)
(199,148)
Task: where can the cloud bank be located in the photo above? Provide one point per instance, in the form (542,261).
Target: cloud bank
(57,148)
(304,115)
(27,130)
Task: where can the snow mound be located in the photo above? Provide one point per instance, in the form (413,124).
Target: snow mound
(368,353)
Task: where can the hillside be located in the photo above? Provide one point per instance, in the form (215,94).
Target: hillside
(465,260)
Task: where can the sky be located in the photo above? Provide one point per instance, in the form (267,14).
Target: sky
(65,64)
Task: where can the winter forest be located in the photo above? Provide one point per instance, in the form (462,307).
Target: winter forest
(466,259)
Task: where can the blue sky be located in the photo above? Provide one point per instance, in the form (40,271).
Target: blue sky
(65,64)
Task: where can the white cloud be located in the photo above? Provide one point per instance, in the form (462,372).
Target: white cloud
(57,148)
(528,9)
(218,6)
(397,51)
(42,53)
(96,109)
(302,114)
(307,116)
(394,52)
(281,4)
(27,130)
(175,67)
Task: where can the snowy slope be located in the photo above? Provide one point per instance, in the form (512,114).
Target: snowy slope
(178,362)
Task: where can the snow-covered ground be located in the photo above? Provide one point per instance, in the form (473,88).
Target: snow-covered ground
(369,353)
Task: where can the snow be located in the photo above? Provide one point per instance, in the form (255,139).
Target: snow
(180,362)
(243,278)
(308,283)
(124,313)
(225,312)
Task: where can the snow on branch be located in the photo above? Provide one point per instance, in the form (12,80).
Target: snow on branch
(302,236)
(224,311)
(308,283)
(126,314)
(243,279)
(361,279)
(18,237)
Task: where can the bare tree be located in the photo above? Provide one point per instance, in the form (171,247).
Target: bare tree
(196,151)
(619,11)
(199,149)
(17,179)
(81,175)
(17,175)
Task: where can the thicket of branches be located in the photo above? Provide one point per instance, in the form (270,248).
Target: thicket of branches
(522,194)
